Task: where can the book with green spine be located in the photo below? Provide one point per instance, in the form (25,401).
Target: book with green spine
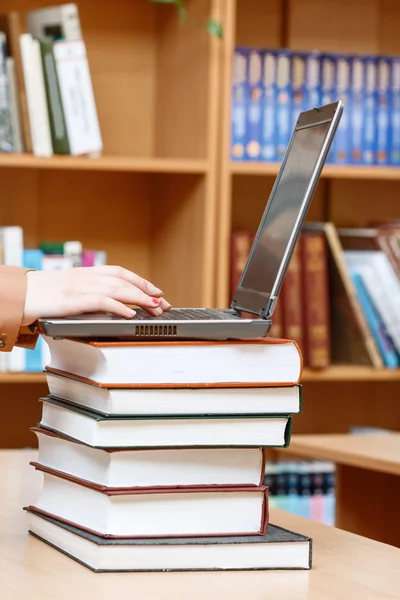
(59,135)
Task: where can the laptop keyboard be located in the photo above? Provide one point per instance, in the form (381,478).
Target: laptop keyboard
(186,314)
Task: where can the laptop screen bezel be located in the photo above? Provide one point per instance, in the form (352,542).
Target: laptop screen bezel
(260,303)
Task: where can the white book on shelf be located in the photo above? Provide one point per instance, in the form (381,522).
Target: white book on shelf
(12,242)
(36,96)
(78,98)
(382,285)
(58,22)
(18,144)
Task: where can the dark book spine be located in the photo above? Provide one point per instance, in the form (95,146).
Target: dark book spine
(291,297)
(58,126)
(315,299)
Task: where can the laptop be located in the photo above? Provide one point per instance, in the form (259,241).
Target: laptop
(263,275)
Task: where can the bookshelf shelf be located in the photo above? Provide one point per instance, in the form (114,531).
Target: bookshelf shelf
(335,373)
(120,164)
(329,171)
(350,373)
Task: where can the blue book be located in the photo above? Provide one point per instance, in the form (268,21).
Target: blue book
(254,113)
(239,103)
(342,137)
(369,125)
(33,259)
(383,111)
(389,355)
(312,80)
(395,112)
(298,83)
(269,137)
(328,90)
(357,108)
(283,101)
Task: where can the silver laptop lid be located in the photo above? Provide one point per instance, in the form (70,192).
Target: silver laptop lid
(286,210)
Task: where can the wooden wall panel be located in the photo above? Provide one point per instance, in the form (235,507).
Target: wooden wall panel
(360,202)
(259,23)
(104,211)
(334,407)
(333,25)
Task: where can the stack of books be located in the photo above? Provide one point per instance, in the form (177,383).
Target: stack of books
(153,454)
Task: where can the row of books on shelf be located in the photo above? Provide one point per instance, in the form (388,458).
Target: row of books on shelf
(47,103)
(341,293)
(304,488)
(271,87)
(49,256)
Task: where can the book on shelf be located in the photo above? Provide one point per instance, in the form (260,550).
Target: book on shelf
(304,488)
(47,102)
(153,512)
(142,431)
(278,549)
(271,87)
(330,302)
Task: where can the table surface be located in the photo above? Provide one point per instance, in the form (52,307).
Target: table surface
(376,452)
(344,565)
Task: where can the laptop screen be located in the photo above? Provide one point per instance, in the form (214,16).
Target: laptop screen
(283,209)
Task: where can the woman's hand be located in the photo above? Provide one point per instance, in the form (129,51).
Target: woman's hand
(70,292)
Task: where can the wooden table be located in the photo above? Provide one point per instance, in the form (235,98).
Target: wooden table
(367,480)
(344,566)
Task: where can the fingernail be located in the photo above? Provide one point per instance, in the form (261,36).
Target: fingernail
(153,289)
(158,311)
(156,301)
(131,312)
(168,304)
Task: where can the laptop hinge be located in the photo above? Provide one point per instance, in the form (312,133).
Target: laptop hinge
(239,309)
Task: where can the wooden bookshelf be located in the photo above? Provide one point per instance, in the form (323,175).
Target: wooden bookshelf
(329,171)
(346,195)
(150,200)
(337,373)
(117,164)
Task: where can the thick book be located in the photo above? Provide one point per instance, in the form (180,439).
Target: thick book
(154,512)
(152,467)
(172,431)
(316,309)
(267,362)
(278,548)
(176,401)
(292,300)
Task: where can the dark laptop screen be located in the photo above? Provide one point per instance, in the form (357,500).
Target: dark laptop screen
(283,209)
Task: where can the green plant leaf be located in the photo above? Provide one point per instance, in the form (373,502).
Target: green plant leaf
(215,28)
